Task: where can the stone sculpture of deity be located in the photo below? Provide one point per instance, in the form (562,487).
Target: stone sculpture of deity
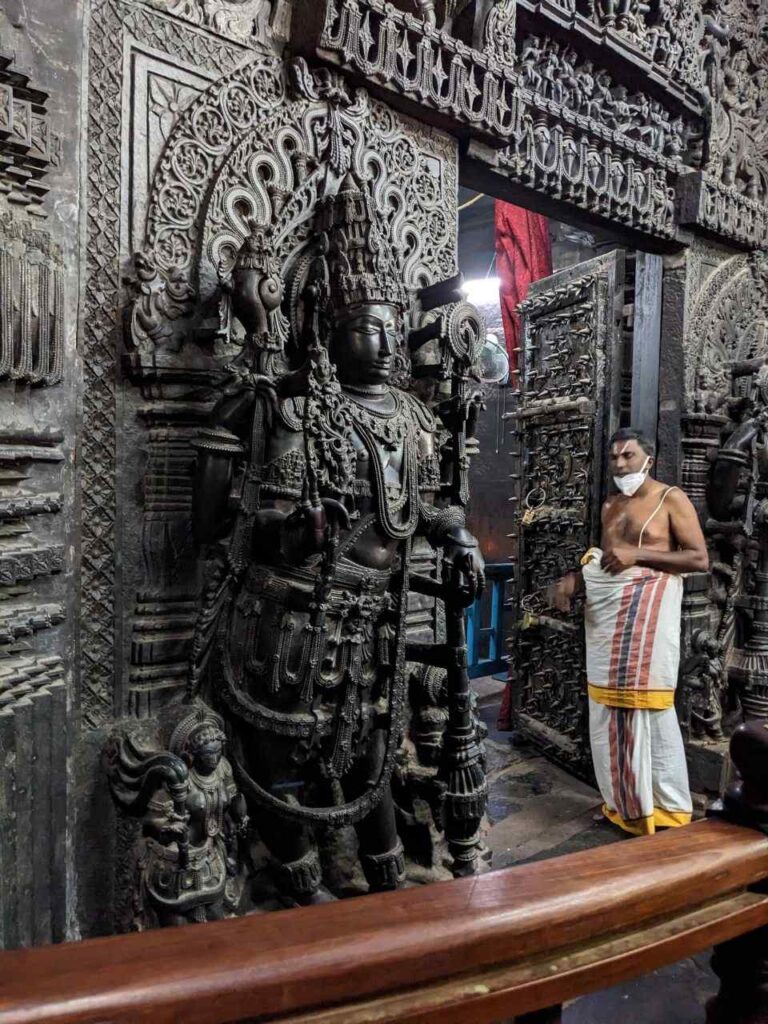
(314,483)
(193,818)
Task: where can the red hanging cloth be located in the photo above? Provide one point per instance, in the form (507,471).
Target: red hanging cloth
(523,255)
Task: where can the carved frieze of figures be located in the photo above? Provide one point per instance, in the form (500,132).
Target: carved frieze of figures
(253,22)
(555,72)
(729,196)
(737,81)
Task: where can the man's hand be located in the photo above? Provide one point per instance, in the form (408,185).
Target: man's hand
(619,557)
(560,594)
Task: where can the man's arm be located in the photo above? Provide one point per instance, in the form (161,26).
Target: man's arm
(691,554)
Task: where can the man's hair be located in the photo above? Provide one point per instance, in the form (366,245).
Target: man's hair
(630,434)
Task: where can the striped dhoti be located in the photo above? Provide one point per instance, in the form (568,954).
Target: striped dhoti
(632,622)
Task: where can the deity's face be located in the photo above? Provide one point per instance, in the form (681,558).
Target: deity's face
(206,757)
(364,343)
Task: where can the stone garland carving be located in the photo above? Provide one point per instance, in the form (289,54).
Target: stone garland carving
(31,278)
(31,315)
(111,22)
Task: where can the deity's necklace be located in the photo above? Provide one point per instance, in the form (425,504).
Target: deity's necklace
(364,389)
(390,429)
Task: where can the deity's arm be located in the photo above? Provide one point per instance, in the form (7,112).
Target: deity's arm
(219,446)
(446,527)
(161,821)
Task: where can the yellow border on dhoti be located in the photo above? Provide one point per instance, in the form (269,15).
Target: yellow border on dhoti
(617,697)
(648,825)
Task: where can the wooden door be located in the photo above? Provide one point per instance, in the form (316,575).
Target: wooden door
(569,405)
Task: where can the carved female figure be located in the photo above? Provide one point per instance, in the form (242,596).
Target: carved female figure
(192,817)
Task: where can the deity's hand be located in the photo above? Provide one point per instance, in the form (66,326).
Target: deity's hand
(463,567)
(176,827)
(306,530)
(618,557)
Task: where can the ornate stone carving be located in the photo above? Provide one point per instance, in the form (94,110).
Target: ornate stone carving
(726,348)
(193,820)
(409,56)
(34,696)
(113,23)
(729,196)
(166,334)
(31,278)
(327,634)
(32,310)
(250,22)
(231,224)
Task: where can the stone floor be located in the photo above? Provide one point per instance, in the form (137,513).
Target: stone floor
(537,810)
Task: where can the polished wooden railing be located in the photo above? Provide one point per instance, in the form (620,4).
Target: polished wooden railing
(504,944)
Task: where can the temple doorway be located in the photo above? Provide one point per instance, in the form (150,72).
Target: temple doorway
(583,353)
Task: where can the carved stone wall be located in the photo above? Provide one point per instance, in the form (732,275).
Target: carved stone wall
(725,344)
(231,136)
(40,66)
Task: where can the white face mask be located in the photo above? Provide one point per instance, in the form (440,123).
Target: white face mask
(632,482)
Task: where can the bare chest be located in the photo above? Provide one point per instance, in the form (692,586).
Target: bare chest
(635,522)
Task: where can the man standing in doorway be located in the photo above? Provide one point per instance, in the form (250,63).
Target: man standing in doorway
(650,537)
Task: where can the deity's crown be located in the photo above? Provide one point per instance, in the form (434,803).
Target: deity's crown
(196,729)
(362,261)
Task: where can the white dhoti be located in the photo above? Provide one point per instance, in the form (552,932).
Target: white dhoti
(632,623)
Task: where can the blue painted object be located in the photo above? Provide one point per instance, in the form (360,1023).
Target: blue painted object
(485,624)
